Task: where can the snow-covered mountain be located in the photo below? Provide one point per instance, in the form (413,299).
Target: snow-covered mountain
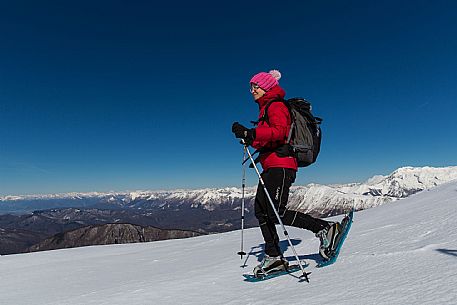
(313,198)
(395,254)
(332,199)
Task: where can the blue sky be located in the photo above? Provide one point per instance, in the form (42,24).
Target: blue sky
(125,95)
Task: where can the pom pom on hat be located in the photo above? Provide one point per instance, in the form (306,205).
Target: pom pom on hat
(276,74)
(265,80)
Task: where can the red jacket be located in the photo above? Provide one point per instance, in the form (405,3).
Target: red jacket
(275,132)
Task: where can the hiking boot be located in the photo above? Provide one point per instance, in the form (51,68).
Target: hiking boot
(322,235)
(329,237)
(271,263)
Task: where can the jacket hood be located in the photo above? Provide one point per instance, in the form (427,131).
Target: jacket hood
(274,93)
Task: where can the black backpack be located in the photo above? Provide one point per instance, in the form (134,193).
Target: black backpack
(304,139)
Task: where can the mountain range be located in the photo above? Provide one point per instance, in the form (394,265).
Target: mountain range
(321,200)
(113,233)
(28,220)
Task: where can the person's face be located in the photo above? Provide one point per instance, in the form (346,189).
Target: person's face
(256,91)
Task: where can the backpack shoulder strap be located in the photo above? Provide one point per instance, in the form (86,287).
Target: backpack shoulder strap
(265,113)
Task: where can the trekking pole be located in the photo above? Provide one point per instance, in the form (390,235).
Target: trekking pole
(243,185)
(304,275)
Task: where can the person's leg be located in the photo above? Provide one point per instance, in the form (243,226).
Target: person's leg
(278,182)
(262,208)
(285,178)
(274,180)
(324,230)
(304,221)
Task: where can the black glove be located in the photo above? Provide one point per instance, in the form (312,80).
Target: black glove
(242,132)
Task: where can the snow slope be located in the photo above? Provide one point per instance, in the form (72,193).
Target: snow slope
(395,254)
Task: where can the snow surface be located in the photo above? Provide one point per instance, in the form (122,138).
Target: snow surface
(395,254)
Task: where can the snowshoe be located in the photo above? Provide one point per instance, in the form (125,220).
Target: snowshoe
(270,264)
(330,254)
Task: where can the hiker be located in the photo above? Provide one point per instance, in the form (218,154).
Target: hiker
(279,172)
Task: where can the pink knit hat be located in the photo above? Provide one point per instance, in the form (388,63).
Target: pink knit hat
(265,80)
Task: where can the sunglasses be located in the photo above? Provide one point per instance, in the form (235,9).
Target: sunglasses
(253,87)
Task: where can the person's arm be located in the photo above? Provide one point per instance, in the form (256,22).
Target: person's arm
(276,130)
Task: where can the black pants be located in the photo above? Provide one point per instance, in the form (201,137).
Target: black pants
(278,182)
